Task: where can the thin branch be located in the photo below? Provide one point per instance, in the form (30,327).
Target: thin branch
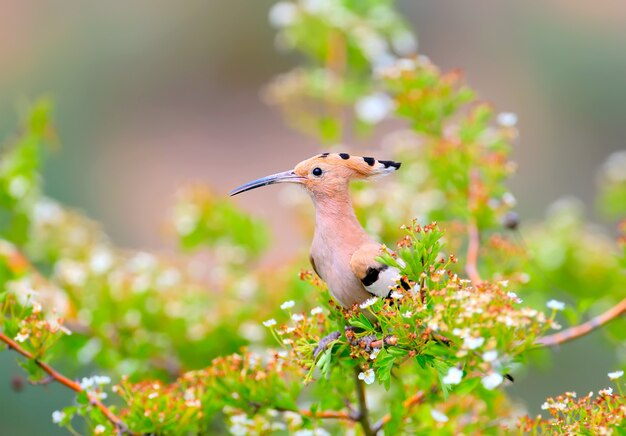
(43,382)
(473,247)
(327,414)
(71,384)
(473,235)
(413,400)
(363,415)
(584,328)
(323,414)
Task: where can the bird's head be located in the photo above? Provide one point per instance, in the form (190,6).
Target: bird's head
(327,174)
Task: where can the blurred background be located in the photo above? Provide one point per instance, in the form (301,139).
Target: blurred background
(153,94)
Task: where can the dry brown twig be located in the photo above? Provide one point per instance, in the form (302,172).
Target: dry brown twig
(413,400)
(473,235)
(584,328)
(71,384)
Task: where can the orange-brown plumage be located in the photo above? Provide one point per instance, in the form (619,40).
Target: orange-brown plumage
(342,253)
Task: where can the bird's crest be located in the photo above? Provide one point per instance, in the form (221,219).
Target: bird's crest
(362,167)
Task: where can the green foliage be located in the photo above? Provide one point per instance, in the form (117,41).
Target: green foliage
(350,38)
(612,199)
(19,176)
(202,219)
(229,346)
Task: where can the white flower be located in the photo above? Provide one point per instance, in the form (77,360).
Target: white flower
(404,43)
(102,380)
(57,416)
(509,199)
(513,296)
(169,278)
(142,261)
(406,64)
(368,303)
(71,272)
(316,310)
(507,119)
(615,375)
(19,186)
(555,305)
(454,376)
(374,108)
(368,376)
(101,260)
(318,6)
(374,353)
(396,295)
(287,304)
(438,416)
(100,429)
(86,383)
(269,322)
(492,381)
(189,395)
(490,356)
(21,337)
(407,314)
(278,426)
(297,317)
(47,212)
(473,343)
(556,406)
(292,418)
(252,331)
(615,167)
(607,391)
(283,14)
(313,432)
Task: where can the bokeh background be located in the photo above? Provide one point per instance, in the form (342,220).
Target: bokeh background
(153,94)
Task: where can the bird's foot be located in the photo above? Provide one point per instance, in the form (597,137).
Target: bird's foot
(323,343)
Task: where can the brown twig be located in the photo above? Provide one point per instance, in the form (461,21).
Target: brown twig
(43,382)
(71,384)
(408,403)
(473,234)
(473,247)
(584,328)
(362,415)
(323,414)
(327,414)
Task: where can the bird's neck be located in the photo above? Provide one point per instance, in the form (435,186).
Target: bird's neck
(335,219)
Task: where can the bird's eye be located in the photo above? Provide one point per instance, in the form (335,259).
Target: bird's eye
(317,171)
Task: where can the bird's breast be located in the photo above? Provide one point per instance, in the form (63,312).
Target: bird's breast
(333,266)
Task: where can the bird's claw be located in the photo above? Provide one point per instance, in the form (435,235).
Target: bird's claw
(323,343)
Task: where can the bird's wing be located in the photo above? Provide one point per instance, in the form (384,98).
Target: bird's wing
(314,267)
(377,278)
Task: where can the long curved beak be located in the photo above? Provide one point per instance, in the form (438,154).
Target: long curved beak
(284,177)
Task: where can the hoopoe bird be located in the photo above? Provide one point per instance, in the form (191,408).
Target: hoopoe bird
(342,253)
